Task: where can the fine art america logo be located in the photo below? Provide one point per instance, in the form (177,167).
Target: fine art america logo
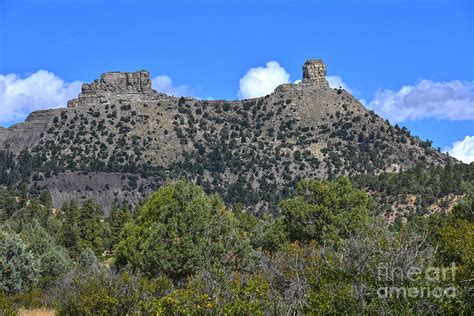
(428,276)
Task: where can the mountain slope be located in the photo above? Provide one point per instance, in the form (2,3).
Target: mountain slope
(120,139)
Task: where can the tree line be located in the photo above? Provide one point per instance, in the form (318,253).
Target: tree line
(184,251)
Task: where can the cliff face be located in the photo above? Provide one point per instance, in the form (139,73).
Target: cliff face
(250,150)
(23,135)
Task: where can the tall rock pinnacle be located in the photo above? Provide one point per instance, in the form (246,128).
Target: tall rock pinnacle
(314,73)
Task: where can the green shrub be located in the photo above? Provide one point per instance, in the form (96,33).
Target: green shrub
(19,269)
(181,230)
(88,260)
(325,210)
(6,306)
(103,292)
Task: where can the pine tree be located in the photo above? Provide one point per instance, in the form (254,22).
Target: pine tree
(70,230)
(118,218)
(90,224)
(46,199)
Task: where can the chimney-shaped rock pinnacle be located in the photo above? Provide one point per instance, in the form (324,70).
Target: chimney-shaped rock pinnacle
(314,72)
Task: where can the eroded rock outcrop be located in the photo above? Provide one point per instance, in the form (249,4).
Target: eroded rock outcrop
(314,73)
(128,83)
(120,82)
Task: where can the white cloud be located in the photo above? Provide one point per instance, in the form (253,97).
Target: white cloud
(40,90)
(453,100)
(336,83)
(463,149)
(164,84)
(261,81)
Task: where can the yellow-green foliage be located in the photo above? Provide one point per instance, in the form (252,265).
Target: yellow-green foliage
(102,292)
(6,306)
(242,295)
(249,296)
(182,302)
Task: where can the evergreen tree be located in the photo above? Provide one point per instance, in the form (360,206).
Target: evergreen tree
(90,224)
(46,199)
(88,260)
(18,267)
(181,230)
(54,263)
(325,210)
(70,229)
(118,218)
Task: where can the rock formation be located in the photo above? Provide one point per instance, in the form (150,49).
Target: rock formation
(130,138)
(314,73)
(114,83)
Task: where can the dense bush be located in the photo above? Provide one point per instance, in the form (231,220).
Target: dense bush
(323,210)
(99,291)
(181,230)
(19,270)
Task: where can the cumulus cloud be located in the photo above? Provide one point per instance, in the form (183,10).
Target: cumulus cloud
(453,100)
(40,90)
(261,81)
(336,82)
(164,84)
(463,149)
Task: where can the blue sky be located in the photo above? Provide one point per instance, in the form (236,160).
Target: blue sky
(206,47)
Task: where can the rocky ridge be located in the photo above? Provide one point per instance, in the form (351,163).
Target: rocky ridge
(248,150)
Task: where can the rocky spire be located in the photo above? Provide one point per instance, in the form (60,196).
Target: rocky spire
(314,73)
